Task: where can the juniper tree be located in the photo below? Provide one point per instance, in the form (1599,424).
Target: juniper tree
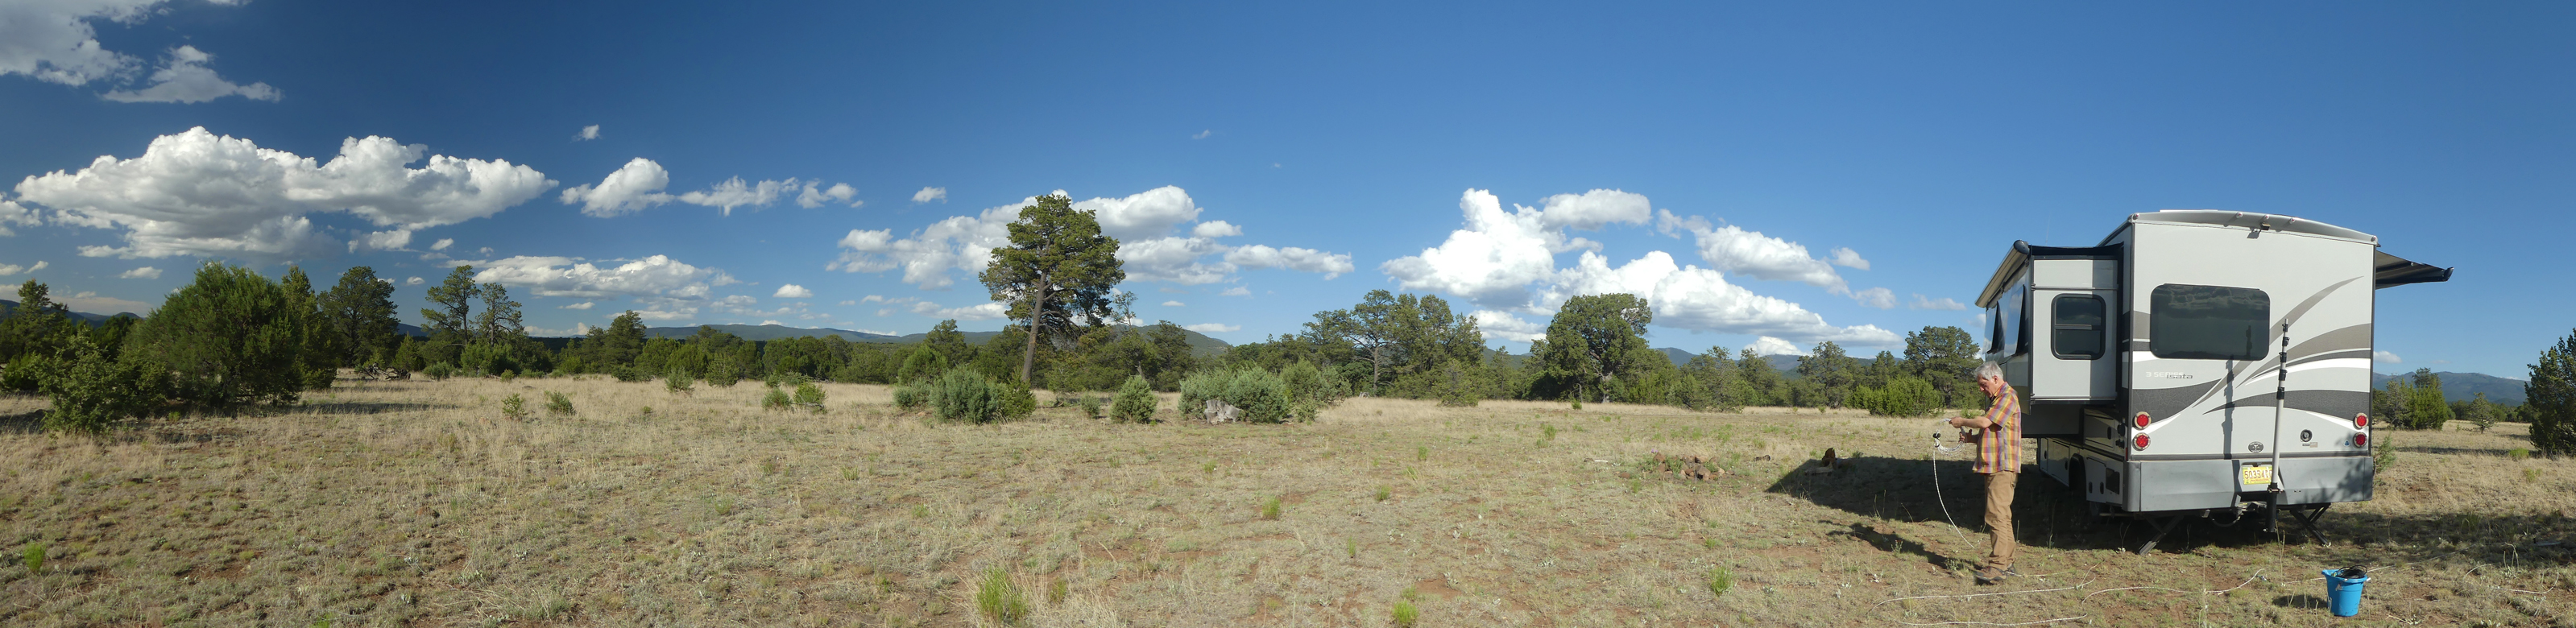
(2550,403)
(229,338)
(1594,340)
(1058,269)
(359,315)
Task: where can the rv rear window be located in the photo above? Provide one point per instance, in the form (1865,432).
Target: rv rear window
(2209,322)
(2078,327)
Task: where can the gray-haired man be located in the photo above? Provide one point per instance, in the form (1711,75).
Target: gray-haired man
(1999,459)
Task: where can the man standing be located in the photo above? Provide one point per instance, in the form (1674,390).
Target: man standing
(1999,459)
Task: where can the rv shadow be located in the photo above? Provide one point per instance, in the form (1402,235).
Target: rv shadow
(29,422)
(2045,514)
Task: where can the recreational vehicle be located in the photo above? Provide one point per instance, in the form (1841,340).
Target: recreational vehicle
(2198,364)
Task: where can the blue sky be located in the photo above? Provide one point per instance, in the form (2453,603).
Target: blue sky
(1800,173)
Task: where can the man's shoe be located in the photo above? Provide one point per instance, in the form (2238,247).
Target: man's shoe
(1990,575)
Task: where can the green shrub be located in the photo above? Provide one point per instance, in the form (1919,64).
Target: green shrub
(230,338)
(923,364)
(94,391)
(1000,599)
(1198,388)
(1311,390)
(1270,509)
(808,394)
(1262,396)
(1719,580)
(558,403)
(1406,616)
(439,372)
(25,374)
(678,381)
(1135,401)
(911,397)
(964,395)
(319,378)
(1090,405)
(485,358)
(514,407)
(2518,453)
(1017,402)
(628,373)
(775,399)
(34,557)
(721,374)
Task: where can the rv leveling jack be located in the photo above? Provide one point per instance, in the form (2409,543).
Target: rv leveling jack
(2307,518)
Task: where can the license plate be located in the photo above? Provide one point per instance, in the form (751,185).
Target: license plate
(2257,474)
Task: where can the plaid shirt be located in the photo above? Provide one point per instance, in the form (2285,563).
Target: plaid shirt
(1999,447)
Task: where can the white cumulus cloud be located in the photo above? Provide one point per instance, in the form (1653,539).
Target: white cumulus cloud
(1751,254)
(12,213)
(1506,326)
(930,194)
(1165,303)
(632,188)
(1921,302)
(54,41)
(442,244)
(587,133)
(1215,229)
(792,291)
(2384,357)
(184,78)
(146,272)
(655,276)
(1767,345)
(577,306)
(1143,224)
(196,193)
(733,192)
(1880,298)
(1212,328)
(412,281)
(1846,258)
(1293,258)
(12,269)
(1145,214)
(1505,261)
(838,193)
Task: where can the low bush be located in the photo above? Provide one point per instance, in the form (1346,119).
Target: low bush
(1198,388)
(93,391)
(558,403)
(678,381)
(1719,580)
(1262,396)
(1090,405)
(810,395)
(1000,599)
(721,374)
(514,406)
(1135,402)
(775,399)
(1903,396)
(964,395)
(25,374)
(439,372)
(911,397)
(627,373)
(1310,390)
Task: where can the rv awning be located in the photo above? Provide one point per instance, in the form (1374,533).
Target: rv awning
(2390,270)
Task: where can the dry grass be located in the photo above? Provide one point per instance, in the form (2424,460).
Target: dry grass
(417,503)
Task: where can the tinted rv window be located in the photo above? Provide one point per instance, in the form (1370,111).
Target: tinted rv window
(2209,322)
(2078,327)
(2011,313)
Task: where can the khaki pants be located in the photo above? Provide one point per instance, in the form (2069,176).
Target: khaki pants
(1999,499)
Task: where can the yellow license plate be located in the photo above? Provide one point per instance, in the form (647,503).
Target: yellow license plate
(2257,474)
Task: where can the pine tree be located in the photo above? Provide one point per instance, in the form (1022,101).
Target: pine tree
(1057,270)
(2550,403)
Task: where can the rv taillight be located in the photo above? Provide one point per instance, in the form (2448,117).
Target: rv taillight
(2142,441)
(2142,420)
(2361,420)
(2361,440)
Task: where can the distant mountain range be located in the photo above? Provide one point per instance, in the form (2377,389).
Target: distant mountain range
(2465,386)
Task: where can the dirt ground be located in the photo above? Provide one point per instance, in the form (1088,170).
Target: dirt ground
(420,503)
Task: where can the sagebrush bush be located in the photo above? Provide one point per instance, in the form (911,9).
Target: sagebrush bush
(558,403)
(911,397)
(514,406)
(808,394)
(964,395)
(1135,402)
(1311,390)
(775,399)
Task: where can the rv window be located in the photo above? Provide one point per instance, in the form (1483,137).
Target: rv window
(2078,327)
(2209,322)
(2012,313)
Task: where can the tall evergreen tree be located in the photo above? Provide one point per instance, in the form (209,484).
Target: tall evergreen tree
(2550,398)
(450,323)
(1057,271)
(500,322)
(359,314)
(1594,340)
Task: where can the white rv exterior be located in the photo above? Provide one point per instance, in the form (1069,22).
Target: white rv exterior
(2150,361)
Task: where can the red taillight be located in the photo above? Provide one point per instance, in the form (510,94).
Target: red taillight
(2361,440)
(2142,420)
(2142,441)
(2361,420)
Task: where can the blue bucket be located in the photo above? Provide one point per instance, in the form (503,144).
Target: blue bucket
(2343,590)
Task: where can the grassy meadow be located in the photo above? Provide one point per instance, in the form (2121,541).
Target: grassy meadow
(419,503)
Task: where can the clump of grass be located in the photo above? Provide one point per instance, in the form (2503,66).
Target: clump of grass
(35,557)
(1384,492)
(1406,616)
(999,599)
(2518,453)
(1635,485)
(1270,509)
(514,407)
(1422,453)
(558,403)
(1055,591)
(1351,547)
(1719,580)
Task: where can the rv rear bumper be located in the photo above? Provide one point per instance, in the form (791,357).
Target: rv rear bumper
(2210,483)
